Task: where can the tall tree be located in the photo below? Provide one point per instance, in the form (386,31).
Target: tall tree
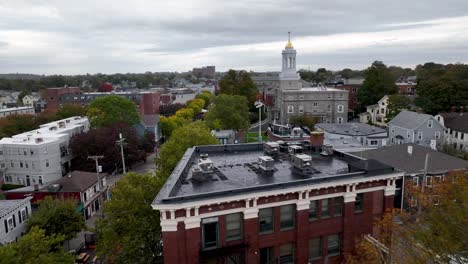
(239,83)
(396,103)
(378,82)
(193,134)
(36,248)
(441,86)
(102,141)
(111,109)
(228,112)
(56,216)
(16,124)
(130,232)
(69,110)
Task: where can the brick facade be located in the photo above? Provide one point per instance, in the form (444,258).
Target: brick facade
(183,228)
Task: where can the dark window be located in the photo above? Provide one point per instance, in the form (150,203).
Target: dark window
(267,255)
(210,233)
(313,210)
(233,226)
(325,208)
(338,206)
(287,213)
(265,220)
(287,254)
(358,203)
(333,245)
(315,248)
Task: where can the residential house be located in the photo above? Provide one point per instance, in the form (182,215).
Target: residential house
(225,136)
(23,110)
(13,218)
(456,133)
(30,100)
(368,136)
(376,113)
(413,127)
(42,155)
(411,159)
(234,204)
(88,189)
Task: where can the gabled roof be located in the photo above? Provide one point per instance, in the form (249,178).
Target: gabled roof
(6,206)
(351,129)
(456,121)
(398,157)
(409,120)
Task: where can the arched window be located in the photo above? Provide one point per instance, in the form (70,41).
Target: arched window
(339,120)
(340,108)
(290,109)
(301,109)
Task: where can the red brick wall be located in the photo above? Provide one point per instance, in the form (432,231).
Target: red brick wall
(184,246)
(149,104)
(53,96)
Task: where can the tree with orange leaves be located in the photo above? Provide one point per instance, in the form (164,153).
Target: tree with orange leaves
(436,233)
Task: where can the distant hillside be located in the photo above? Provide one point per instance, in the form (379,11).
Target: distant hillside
(20,76)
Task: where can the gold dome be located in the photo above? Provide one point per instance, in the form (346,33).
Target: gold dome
(289,44)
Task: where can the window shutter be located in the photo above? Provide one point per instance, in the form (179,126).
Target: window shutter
(6,226)
(19,216)
(14,221)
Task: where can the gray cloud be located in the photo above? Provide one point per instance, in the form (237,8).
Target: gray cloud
(110,36)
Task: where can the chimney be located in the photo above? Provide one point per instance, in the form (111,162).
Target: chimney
(410,150)
(316,138)
(453,109)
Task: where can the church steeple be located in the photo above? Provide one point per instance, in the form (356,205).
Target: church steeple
(288,70)
(289,45)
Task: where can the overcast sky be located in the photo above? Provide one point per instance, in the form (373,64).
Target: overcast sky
(90,36)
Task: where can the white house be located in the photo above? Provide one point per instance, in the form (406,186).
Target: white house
(13,217)
(376,113)
(456,133)
(42,155)
(30,99)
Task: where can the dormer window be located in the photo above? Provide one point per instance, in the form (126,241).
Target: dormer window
(429,123)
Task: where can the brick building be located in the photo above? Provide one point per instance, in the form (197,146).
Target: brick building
(234,204)
(54,95)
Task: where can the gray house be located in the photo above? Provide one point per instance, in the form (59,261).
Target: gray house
(412,127)
(13,216)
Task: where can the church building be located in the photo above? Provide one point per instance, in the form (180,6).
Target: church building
(329,105)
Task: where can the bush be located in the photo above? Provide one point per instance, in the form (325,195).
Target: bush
(7,187)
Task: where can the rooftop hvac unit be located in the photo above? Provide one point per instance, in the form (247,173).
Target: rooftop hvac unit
(54,188)
(266,163)
(199,176)
(271,148)
(301,161)
(294,150)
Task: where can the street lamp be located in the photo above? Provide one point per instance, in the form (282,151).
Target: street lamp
(259,104)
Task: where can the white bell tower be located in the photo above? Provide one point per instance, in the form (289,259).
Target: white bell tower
(289,78)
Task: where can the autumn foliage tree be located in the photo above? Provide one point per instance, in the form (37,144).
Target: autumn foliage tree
(436,233)
(102,141)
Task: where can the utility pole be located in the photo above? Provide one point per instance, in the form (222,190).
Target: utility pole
(259,104)
(96,160)
(121,142)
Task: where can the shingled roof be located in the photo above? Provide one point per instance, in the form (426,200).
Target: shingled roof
(398,157)
(409,120)
(456,121)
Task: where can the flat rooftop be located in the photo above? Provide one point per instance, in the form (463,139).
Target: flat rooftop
(16,109)
(236,170)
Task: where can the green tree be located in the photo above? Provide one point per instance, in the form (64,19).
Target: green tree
(441,86)
(239,83)
(228,112)
(193,134)
(205,96)
(169,124)
(16,124)
(303,120)
(378,82)
(196,105)
(396,103)
(111,109)
(130,232)
(56,216)
(69,110)
(36,248)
